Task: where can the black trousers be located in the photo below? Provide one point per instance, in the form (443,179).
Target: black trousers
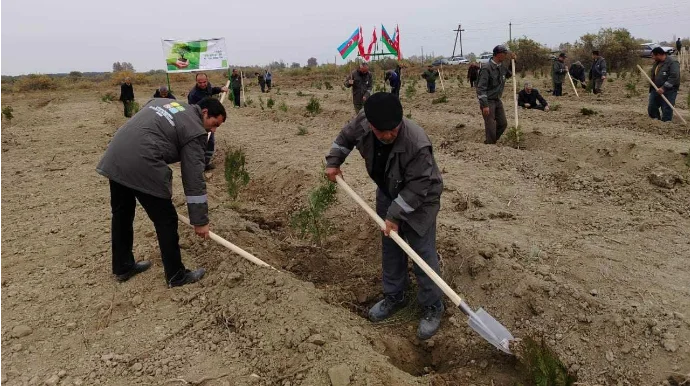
(236,92)
(558,89)
(396,91)
(161,211)
(128,108)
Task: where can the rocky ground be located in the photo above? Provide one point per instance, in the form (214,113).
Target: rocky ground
(581,236)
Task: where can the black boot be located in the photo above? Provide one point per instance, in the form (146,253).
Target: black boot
(138,267)
(186,277)
(430,322)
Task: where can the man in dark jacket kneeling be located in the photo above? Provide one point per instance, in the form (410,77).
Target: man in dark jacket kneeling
(136,163)
(399,158)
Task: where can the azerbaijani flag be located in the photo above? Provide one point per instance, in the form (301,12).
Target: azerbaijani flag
(387,41)
(350,44)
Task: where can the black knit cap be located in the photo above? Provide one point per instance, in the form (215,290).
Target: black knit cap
(658,51)
(500,49)
(384,111)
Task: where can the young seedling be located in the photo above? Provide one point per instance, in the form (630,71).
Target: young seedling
(108,97)
(585,111)
(328,85)
(302,131)
(514,136)
(235,174)
(7,113)
(631,86)
(441,99)
(410,90)
(310,220)
(313,107)
(283,107)
(540,365)
(270,103)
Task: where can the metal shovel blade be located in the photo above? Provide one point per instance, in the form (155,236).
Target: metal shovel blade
(491,330)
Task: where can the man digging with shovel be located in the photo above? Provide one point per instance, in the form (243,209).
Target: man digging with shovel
(399,158)
(136,163)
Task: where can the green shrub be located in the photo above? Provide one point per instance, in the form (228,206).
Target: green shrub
(442,99)
(7,113)
(314,106)
(513,136)
(310,220)
(585,111)
(282,107)
(108,97)
(410,90)
(631,88)
(328,85)
(270,103)
(248,102)
(302,131)
(235,174)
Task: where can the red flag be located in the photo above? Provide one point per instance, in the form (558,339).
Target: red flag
(371,45)
(360,45)
(396,41)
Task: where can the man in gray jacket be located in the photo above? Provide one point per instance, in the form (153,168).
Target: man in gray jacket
(558,74)
(400,160)
(361,82)
(136,163)
(666,76)
(492,80)
(597,74)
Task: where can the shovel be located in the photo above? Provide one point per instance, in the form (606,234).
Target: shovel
(480,321)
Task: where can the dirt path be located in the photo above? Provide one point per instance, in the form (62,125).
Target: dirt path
(565,237)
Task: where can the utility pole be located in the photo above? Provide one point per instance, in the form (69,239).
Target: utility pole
(458,32)
(423,54)
(510,31)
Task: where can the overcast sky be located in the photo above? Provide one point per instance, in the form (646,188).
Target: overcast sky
(40,36)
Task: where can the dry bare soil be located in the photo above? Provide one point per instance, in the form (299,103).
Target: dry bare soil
(565,238)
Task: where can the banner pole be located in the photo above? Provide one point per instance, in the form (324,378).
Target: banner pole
(167,75)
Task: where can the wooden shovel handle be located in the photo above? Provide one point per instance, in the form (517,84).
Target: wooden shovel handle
(229,245)
(454,297)
(662,95)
